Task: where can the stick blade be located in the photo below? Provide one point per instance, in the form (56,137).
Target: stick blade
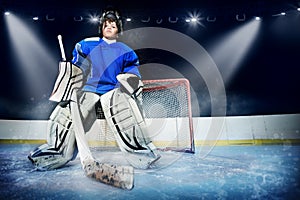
(141,161)
(117,176)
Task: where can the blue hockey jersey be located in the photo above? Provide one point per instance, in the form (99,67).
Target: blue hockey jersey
(102,62)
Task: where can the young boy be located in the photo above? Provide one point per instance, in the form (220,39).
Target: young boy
(111,75)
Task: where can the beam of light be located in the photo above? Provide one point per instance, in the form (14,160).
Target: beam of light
(279,14)
(229,51)
(31,56)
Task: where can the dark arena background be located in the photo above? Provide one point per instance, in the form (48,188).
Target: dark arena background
(242,61)
(259,64)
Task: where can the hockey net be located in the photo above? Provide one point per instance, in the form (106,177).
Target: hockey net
(168,114)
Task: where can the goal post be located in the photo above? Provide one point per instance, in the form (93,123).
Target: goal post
(167,109)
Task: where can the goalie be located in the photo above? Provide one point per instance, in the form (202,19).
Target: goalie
(111,76)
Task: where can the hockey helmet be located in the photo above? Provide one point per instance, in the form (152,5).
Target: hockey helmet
(112,15)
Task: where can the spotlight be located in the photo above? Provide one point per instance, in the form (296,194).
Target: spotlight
(194,19)
(159,21)
(173,20)
(78,18)
(7,13)
(145,20)
(128,19)
(94,19)
(35,18)
(240,18)
(257,18)
(50,18)
(211,19)
(298,9)
(279,14)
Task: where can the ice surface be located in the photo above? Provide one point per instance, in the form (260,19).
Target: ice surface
(228,172)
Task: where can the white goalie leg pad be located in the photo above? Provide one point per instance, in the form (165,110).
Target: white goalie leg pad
(128,125)
(61,130)
(61,145)
(122,119)
(59,121)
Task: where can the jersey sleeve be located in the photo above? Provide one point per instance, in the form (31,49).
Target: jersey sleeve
(131,63)
(80,57)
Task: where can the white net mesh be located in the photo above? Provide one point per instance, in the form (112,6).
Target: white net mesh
(167,110)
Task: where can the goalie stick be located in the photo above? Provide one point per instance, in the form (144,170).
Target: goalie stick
(62,51)
(117,176)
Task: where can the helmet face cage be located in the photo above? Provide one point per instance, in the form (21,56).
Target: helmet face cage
(110,15)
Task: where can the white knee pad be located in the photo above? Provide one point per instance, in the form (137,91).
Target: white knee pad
(125,120)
